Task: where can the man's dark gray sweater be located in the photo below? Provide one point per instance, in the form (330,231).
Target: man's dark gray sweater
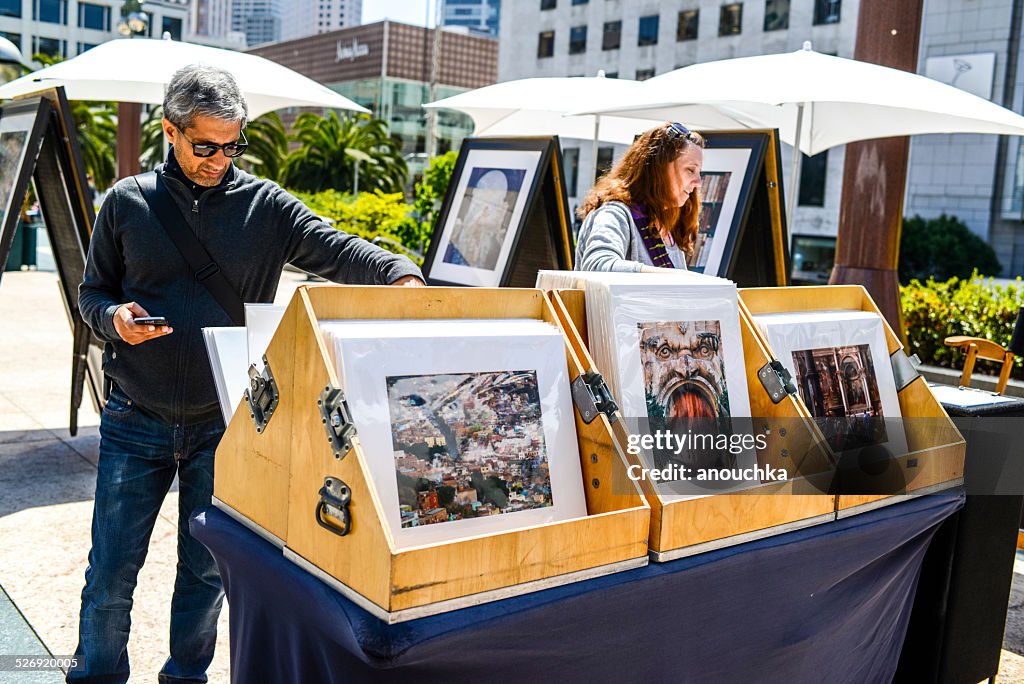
(251,227)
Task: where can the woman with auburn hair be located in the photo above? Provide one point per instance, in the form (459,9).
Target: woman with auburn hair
(642,215)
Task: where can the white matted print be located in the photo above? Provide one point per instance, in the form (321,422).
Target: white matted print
(486,212)
(468,428)
(723,175)
(676,364)
(840,364)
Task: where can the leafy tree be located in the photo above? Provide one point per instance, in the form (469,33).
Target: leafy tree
(330,147)
(430,191)
(268,146)
(943,248)
(152,142)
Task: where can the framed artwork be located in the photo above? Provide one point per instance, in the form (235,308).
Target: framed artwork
(840,364)
(501,188)
(467,426)
(42,126)
(732,164)
(671,349)
(22,125)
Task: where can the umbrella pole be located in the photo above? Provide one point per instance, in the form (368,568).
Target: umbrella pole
(794,174)
(593,147)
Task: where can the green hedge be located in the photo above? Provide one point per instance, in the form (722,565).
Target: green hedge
(373,214)
(934,310)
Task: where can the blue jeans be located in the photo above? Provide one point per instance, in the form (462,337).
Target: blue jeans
(139,456)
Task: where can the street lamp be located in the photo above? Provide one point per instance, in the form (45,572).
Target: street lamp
(129,144)
(133,20)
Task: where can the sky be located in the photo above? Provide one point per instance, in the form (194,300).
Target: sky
(404,11)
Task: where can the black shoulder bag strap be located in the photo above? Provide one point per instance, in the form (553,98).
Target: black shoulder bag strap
(206,270)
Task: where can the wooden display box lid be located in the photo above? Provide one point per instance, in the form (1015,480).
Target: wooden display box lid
(364,564)
(935,457)
(683,528)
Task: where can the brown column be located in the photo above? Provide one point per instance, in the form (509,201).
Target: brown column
(129,138)
(875,174)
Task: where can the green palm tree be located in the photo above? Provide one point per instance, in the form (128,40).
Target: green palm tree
(330,147)
(268,146)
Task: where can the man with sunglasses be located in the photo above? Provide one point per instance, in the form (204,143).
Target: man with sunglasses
(162,418)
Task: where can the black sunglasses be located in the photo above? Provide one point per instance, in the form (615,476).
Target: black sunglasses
(204,150)
(678,130)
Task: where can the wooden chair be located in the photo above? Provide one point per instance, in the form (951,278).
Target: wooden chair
(986,349)
(977,347)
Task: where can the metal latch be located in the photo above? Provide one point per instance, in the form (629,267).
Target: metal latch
(261,395)
(591,395)
(904,368)
(335,497)
(337,420)
(777,381)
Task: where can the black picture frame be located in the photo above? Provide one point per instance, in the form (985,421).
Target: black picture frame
(750,226)
(504,215)
(22,126)
(55,165)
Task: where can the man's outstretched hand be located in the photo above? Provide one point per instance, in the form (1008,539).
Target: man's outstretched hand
(130,331)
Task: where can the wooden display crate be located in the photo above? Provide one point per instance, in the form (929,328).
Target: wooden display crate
(683,528)
(274,478)
(935,457)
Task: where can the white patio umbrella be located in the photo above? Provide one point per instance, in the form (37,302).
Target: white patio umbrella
(138,70)
(538,106)
(818,101)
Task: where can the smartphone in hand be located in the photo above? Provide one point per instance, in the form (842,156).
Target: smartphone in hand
(151,320)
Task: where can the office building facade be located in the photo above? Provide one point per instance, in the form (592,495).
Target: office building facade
(386,67)
(480,17)
(303,18)
(65,28)
(259,20)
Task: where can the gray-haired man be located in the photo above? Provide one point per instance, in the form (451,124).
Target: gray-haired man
(162,418)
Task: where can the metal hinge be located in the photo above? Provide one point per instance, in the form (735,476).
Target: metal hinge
(777,381)
(904,368)
(591,395)
(337,420)
(335,497)
(262,395)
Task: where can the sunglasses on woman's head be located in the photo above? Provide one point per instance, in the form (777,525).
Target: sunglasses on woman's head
(678,130)
(204,150)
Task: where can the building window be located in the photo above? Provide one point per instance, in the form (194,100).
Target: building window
(95,17)
(648,30)
(730,19)
(776,15)
(577,40)
(604,161)
(571,162)
(812,180)
(612,37)
(826,11)
(548,4)
(644,74)
(54,47)
(686,29)
(580,2)
(13,37)
(83,47)
(172,26)
(10,8)
(50,11)
(612,74)
(546,44)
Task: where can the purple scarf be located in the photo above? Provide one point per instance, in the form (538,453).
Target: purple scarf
(653,243)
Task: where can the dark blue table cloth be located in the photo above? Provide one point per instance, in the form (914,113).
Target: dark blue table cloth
(828,603)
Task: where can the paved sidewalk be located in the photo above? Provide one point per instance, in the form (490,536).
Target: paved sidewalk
(47,484)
